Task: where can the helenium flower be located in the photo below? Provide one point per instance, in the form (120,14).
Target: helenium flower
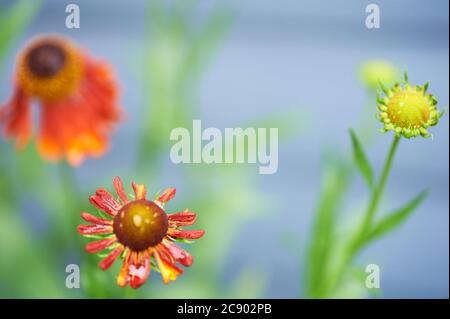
(407,109)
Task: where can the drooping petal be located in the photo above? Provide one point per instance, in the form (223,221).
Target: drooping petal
(111,258)
(140,272)
(140,191)
(185,218)
(17,118)
(186,234)
(94,229)
(118,185)
(123,278)
(168,270)
(79,125)
(96,246)
(68,129)
(167,195)
(105,201)
(95,220)
(180,255)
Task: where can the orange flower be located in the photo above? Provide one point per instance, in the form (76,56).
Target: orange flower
(139,230)
(78,98)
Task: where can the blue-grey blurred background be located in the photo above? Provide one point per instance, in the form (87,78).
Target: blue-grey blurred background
(293,55)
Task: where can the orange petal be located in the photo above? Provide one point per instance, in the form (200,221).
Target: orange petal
(111,258)
(140,191)
(17,118)
(140,272)
(167,195)
(105,201)
(185,218)
(94,229)
(99,245)
(180,255)
(186,234)
(168,270)
(119,190)
(95,220)
(123,278)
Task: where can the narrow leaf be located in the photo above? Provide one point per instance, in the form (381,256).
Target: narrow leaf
(394,219)
(13,20)
(361,160)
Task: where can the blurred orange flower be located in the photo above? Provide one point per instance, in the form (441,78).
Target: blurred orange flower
(78,98)
(138,230)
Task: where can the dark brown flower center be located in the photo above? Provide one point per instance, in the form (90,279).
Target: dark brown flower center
(140,224)
(46,59)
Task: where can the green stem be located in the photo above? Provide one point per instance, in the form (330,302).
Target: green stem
(379,190)
(71,202)
(377,194)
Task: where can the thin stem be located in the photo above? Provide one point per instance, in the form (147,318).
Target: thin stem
(369,216)
(379,190)
(71,199)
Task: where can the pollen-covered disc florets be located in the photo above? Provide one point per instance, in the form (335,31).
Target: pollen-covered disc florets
(407,110)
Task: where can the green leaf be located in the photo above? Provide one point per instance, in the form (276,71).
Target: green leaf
(361,160)
(336,178)
(394,219)
(13,20)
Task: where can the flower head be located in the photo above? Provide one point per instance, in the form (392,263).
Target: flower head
(407,110)
(77,95)
(141,232)
(373,72)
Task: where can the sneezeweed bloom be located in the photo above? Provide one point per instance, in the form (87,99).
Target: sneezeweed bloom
(372,72)
(407,110)
(140,231)
(78,98)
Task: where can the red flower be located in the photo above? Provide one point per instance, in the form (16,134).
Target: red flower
(77,95)
(139,230)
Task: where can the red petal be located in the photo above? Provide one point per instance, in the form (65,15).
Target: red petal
(139,190)
(94,229)
(119,190)
(185,218)
(17,118)
(111,258)
(139,273)
(95,220)
(180,255)
(167,195)
(99,245)
(186,234)
(105,201)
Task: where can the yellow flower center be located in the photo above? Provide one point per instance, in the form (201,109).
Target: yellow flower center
(140,224)
(408,109)
(49,68)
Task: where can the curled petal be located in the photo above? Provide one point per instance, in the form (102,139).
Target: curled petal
(185,218)
(111,258)
(94,229)
(168,270)
(105,201)
(123,278)
(119,190)
(17,118)
(95,220)
(139,272)
(140,191)
(186,234)
(96,246)
(167,195)
(180,255)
